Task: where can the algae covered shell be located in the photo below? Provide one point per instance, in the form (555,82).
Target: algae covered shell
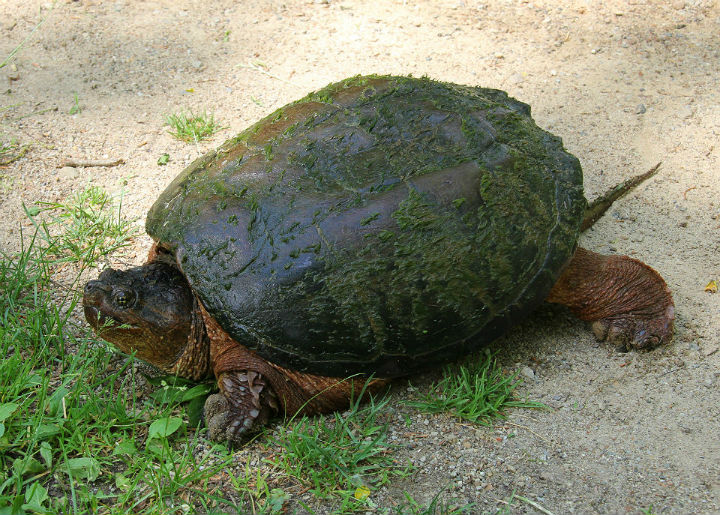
(380,225)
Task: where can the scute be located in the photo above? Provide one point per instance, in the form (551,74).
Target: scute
(382,225)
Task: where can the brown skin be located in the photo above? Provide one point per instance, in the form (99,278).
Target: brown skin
(151,310)
(627,302)
(243,377)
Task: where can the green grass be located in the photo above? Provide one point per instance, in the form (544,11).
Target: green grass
(73,437)
(76,438)
(257,495)
(75,109)
(345,457)
(192,126)
(82,229)
(479,392)
(14,52)
(11,151)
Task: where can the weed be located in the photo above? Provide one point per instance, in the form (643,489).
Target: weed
(436,507)
(532,503)
(11,151)
(13,53)
(75,109)
(256,495)
(82,229)
(41,406)
(192,126)
(6,183)
(478,392)
(73,437)
(345,456)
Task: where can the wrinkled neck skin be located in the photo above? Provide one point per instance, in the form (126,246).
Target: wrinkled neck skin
(188,357)
(194,362)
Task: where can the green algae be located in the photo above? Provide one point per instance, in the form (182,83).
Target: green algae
(375,225)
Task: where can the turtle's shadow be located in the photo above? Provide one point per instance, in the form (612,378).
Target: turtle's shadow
(549,331)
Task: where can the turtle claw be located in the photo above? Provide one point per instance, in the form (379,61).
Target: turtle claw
(243,404)
(215,405)
(635,332)
(225,424)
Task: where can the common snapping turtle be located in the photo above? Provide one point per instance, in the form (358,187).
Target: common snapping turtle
(382,225)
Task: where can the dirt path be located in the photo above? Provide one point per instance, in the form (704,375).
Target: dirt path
(625,84)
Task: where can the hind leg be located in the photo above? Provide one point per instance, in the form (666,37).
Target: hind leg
(627,302)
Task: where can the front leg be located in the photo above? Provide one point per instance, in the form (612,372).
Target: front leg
(245,402)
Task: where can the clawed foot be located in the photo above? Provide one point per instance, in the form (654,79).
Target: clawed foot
(225,425)
(216,413)
(243,405)
(634,331)
(627,302)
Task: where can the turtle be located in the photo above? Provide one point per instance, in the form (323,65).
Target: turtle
(376,228)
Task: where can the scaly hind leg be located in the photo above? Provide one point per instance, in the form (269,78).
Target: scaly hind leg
(627,302)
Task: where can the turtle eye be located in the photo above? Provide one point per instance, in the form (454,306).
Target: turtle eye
(123,298)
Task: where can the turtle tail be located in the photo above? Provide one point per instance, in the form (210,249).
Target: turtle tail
(602,203)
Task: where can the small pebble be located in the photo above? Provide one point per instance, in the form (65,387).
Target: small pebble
(516,79)
(527,372)
(13,75)
(640,109)
(68,173)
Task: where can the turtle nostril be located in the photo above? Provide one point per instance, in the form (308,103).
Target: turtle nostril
(93,287)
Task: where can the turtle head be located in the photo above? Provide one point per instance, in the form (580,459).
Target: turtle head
(147,310)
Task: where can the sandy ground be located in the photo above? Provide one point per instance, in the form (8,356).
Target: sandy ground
(624,84)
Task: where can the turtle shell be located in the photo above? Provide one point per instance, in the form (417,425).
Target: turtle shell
(380,225)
